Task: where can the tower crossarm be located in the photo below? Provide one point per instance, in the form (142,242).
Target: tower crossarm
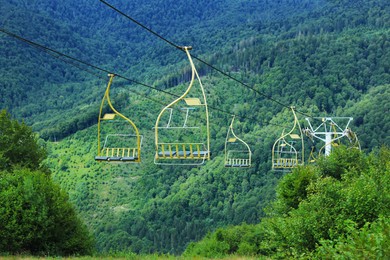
(329,130)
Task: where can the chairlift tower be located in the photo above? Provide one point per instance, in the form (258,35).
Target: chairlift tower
(330,130)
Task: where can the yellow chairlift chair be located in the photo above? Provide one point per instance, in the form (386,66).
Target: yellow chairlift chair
(119,135)
(237,152)
(182,135)
(288,149)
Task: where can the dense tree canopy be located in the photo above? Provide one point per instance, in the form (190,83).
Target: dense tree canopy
(37,218)
(18,144)
(320,211)
(326,57)
(35,214)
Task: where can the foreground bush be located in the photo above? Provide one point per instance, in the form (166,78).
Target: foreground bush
(37,218)
(339,207)
(35,214)
(19,145)
(370,242)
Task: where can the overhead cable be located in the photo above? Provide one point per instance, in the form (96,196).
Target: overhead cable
(202,61)
(51,51)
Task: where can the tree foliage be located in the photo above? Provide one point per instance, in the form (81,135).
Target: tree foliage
(342,215)
(36,216)
(18,144)
(370,242)
(325,57)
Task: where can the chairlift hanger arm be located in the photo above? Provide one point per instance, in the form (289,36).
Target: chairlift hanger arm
(186,49)
(284,135)
(106,94)
(242,141)
(112,107)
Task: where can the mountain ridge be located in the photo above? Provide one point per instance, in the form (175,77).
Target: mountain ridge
(328,59)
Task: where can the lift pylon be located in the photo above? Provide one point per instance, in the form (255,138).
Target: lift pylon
(182,135)
(330,131)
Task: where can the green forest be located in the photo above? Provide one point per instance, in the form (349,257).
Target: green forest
(256,59)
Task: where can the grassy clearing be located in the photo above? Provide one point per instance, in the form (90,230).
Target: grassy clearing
(123,256)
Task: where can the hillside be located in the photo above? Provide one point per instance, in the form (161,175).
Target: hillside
(92,32)
(324,57)
(334,210)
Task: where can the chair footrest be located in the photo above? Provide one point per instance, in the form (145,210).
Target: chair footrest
(115,159)
(237,165)
(183,155)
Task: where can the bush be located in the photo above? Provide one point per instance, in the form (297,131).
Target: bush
(36,217)
(35,214)
(324,211)
(370,242)
(18,145)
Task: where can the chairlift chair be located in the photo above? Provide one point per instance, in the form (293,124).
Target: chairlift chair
(182,135)
(122,141)
(237,152)
(288,149)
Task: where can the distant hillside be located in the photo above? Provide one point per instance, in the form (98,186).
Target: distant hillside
(327,58)
(35,82)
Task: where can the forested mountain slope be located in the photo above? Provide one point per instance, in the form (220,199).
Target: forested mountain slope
(92,32)
(324,57)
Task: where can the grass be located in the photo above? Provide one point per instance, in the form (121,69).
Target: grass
(126,256)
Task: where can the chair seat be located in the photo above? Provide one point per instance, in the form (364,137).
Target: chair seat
(166,153)
(182,153)
(115,158)
(101,158)
(128,159)
(237,165)
(200,153)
